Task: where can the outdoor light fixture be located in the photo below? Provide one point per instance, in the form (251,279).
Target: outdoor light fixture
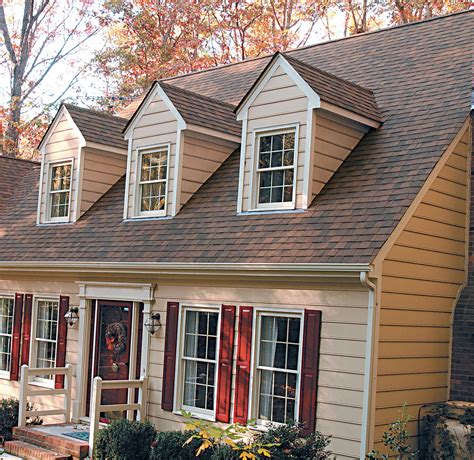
(153,323)
(72,316)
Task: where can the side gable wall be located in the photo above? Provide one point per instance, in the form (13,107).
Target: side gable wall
(422,275)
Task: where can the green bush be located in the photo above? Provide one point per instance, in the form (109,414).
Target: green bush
(8,417)
(290,442)
(125,440)
(170,445)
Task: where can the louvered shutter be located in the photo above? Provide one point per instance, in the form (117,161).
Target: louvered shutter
(16,337)
(309,371)
(25,345)
(170,356)
(244,353)
(226,351)
(62,339)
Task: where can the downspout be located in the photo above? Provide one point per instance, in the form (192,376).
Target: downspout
(366,409)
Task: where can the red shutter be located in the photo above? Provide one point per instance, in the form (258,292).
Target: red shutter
(226,352)
(244,353)
(16,337)
(170,356)
(25,346)
(62,337)
(309,371)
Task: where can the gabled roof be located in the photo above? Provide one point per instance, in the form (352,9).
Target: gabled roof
(99,127)
(421,75)
(326,86)
(195,109)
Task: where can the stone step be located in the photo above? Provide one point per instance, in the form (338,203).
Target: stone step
(61,444)
(31,452)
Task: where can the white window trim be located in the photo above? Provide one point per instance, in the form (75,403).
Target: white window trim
(178,406)
(6,374)
(253,386)
(138,190)
(255,183)
(48,383)
(50,165)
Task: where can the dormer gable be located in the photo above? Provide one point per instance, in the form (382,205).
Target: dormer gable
(299,124)
(177,140)
(82,155)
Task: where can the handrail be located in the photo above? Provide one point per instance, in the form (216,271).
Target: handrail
(97,407)
(25,392)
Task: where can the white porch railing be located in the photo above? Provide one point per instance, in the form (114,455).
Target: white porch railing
(26,392)
(98,407)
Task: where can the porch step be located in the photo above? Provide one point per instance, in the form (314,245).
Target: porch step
(31,452)
(39,436)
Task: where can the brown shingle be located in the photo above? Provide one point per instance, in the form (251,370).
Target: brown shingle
(421,77)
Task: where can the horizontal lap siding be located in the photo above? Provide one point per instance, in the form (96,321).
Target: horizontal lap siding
(157,125)
(100,172)
(280,102)
(63,144)
(343,335)
(45,289)
(422,275)
(201,158)
(334,140)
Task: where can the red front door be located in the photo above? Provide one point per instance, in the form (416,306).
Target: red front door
(112,349)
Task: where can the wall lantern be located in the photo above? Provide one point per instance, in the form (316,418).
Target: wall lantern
(72,316)
(153,323)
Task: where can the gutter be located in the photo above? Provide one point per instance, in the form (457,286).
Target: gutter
(171,268)
(369,365)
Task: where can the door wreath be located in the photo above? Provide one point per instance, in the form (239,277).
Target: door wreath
(116,337)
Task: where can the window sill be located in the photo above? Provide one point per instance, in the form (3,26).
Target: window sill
(252,212)
(144,218)
(209,418)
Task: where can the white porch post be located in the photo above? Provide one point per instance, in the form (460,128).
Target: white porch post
(145,340)
(79,406)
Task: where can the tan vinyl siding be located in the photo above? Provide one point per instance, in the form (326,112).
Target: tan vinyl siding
(62,144)
(47,289)
(202,156)
(342,360)
(334,141)
(100,171)
(421,277)
(157,125)
(280,102)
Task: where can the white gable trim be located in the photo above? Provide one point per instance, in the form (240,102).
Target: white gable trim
(157,90)
(314,100)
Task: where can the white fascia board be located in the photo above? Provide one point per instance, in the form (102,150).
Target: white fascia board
(314,101)
(156,90)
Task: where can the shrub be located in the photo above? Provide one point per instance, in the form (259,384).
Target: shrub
(125,440)
(170,445)
(9,417)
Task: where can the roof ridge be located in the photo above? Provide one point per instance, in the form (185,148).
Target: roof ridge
(184,90)
(98,112)
(6,157)
(370,32)
(332,75)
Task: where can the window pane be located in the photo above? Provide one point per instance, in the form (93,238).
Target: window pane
(153,196)
(264,161)
(277,194)
(199,383)
(60,177)
(289,142)
(265,143)
(60,204)
(277,159)
(277,142)
(154,166)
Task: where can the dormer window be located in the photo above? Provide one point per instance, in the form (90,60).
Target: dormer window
(276,169)
(60,191)
(153,181)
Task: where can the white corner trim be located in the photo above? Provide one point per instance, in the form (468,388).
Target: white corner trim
(127,179)
(40,190)
(243,153)
(178,168)
(314,101)
(308,159)
(79,181)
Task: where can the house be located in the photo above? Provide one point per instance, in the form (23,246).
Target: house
(296,224)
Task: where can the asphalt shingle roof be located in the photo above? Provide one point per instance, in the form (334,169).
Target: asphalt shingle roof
(421,76)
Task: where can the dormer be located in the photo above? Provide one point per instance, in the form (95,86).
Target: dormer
(83,154)
(299,124)
(177,140)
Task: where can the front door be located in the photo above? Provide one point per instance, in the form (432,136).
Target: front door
(112,349)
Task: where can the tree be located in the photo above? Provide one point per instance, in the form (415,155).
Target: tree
(405,11)
(36,37)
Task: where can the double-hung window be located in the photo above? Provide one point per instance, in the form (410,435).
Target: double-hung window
(277,367)
(199,360)
(45,335)
(60,191)
(276,169)
(6,332)
(153,176)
